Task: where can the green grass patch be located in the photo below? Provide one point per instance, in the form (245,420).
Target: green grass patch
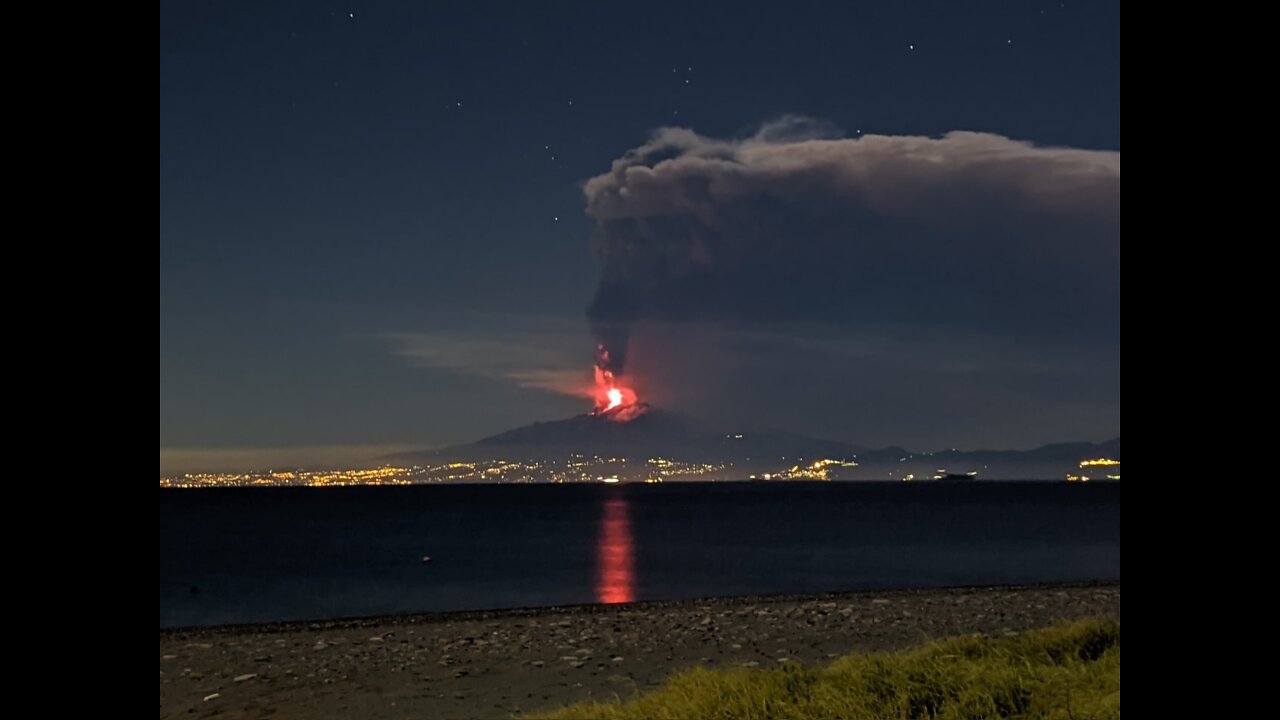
(1066,672)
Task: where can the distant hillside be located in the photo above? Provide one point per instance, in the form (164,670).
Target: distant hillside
(1068,452)
(663,434)
(656,433)
(1047,462)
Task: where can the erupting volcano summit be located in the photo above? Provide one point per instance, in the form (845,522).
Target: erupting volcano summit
(614,400)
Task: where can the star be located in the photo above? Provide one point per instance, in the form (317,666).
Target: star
(911,47)
(351,15)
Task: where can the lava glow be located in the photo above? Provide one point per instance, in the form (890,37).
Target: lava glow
(613,399)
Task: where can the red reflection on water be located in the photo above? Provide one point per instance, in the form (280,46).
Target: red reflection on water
(615,582)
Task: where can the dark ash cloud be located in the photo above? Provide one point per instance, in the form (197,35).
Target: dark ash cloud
(969,230)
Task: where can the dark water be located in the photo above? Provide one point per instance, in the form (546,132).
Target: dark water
(251,554)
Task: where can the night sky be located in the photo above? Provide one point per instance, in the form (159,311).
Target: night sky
(382,224)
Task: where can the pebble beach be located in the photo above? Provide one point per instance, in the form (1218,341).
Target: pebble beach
(503,664)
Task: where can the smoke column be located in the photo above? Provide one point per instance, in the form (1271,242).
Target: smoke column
(795,224)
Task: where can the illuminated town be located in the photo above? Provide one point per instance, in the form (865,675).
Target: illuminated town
(574,469)
(816,470)
(1096,462)
(578,468)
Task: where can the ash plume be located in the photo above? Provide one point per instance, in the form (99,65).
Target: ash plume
(969,230)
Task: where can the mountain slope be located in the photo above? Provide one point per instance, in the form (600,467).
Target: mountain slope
(656,433)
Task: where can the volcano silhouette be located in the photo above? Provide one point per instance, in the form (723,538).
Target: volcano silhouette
(655,433)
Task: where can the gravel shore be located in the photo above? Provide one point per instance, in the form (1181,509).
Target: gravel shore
(504,663)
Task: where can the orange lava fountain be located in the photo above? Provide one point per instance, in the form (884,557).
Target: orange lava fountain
(613,399)
(609,394)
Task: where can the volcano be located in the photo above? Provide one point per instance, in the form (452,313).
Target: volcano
(604,443)
(652,433)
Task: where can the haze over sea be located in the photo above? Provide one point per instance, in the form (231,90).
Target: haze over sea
(241,555)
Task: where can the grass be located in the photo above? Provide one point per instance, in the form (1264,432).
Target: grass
(1065,672)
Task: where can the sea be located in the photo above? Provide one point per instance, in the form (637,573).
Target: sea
(254,555)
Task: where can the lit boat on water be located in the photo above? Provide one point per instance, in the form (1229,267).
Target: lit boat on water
(944,476)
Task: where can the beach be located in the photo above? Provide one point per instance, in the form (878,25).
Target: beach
(506,663)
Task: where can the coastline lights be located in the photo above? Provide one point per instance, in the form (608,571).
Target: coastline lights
(1099,462)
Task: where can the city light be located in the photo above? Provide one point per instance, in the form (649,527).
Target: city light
(1104,462)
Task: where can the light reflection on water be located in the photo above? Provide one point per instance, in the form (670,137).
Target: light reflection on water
(615,574)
